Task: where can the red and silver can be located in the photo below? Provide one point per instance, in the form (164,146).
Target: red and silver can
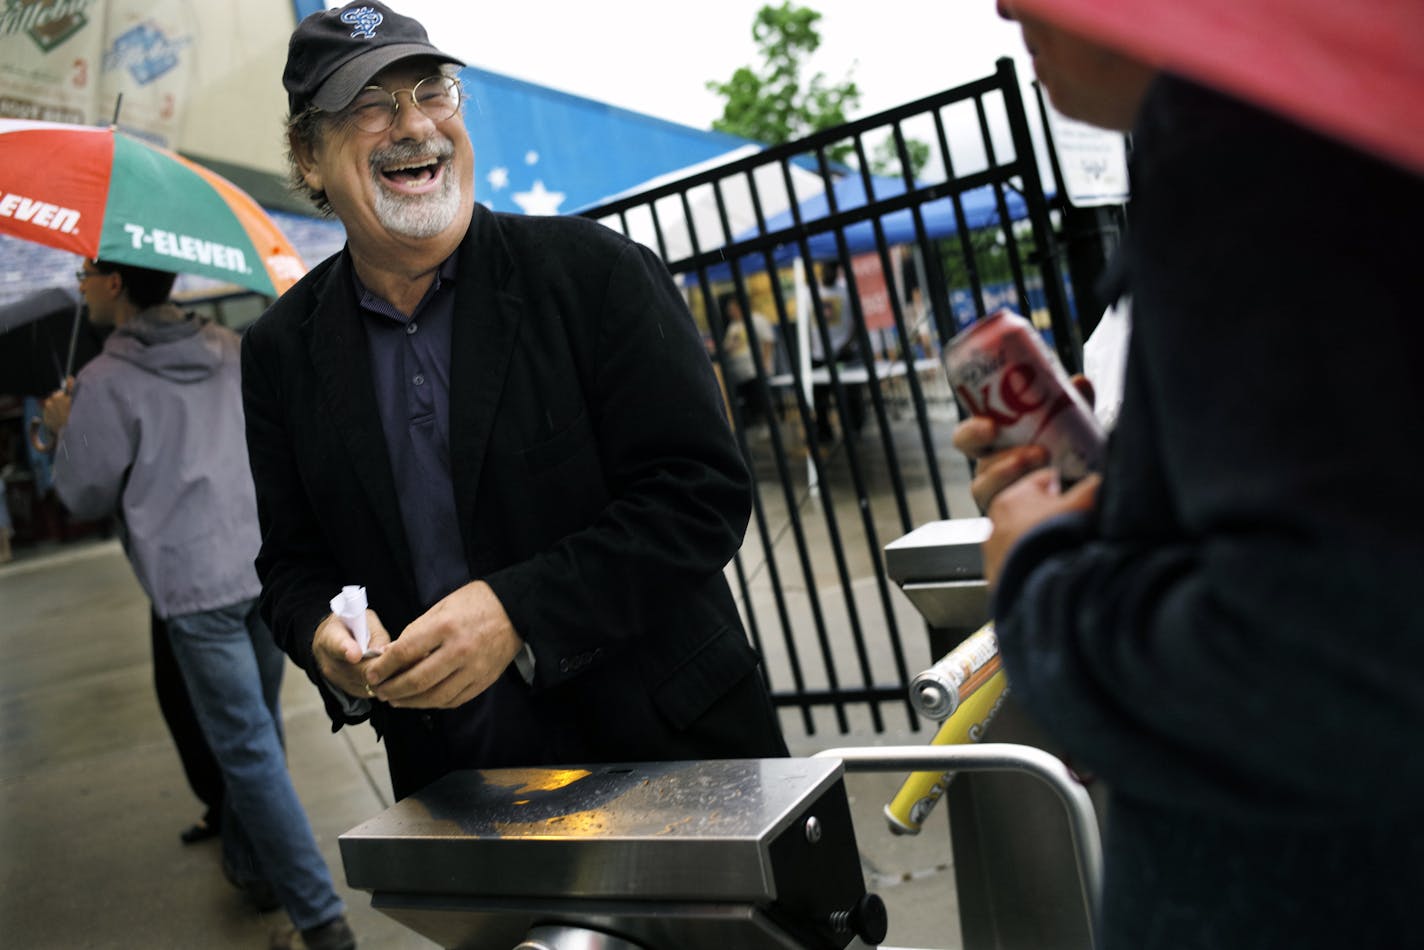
(1001,368)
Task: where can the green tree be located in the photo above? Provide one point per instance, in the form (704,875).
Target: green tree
(774,104)
(885,160)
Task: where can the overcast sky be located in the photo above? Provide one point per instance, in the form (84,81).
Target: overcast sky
(656,56)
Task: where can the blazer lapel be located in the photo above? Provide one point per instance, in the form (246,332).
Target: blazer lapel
(339,354)
(486,327)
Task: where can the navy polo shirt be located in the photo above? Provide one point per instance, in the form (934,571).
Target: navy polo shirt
(410,367)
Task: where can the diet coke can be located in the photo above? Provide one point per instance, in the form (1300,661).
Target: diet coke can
(1001,368)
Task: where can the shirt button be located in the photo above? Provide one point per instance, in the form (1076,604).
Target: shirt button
(410,327)
(419,379)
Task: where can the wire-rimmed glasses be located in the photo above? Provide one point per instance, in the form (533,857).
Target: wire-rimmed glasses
(374,109)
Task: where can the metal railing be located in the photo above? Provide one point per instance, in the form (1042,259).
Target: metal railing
(1005,757)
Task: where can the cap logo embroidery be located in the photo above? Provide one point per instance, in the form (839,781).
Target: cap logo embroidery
(365,19)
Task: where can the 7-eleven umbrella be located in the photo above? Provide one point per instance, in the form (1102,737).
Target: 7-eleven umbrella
(103,194)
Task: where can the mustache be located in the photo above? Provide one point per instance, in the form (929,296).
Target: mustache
(437,148)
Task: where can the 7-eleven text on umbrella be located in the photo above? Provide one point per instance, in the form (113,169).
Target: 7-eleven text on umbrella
(41,214)
(187,248)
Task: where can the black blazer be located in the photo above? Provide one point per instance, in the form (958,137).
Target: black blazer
(599,491)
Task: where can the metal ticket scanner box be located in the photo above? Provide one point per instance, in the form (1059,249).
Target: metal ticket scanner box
(756,854)
(1014,861)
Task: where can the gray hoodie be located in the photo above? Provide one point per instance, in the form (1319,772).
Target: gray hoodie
(156,434)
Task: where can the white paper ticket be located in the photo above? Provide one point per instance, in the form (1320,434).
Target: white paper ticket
(350,606)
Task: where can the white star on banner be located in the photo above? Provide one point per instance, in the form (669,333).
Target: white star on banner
(531,157)
(498,178)
(539,200)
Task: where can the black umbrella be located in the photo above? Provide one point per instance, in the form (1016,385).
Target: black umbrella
(35,306)
(42,339)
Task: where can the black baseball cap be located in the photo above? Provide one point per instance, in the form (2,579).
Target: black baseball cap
(333,54)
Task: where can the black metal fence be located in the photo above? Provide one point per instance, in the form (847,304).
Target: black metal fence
(862,277)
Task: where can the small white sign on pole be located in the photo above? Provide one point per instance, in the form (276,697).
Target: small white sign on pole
(1093,161)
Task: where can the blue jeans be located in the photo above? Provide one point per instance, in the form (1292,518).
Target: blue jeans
(233,670)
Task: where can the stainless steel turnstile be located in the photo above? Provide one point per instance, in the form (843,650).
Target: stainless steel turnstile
(745,854)
(1016,869)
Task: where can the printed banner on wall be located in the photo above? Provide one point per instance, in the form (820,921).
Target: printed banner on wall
(71,60)
(874,291)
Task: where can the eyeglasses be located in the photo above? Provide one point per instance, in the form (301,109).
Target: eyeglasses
(374,109)
(82,275)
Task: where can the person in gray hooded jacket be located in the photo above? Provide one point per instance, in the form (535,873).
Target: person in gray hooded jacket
(154,433)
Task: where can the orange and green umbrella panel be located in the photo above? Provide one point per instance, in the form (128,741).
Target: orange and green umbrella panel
(103,194)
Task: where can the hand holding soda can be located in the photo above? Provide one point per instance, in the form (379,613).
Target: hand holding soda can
(1000,368)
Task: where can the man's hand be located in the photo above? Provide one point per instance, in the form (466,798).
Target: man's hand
(56,407)
(1023,505)
(997,469)
(448,655)
(339,657)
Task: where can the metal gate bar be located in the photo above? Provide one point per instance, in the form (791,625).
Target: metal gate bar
(847,651)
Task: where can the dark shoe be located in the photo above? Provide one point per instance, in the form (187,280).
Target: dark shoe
(335,934)
(257,891)
(199,831)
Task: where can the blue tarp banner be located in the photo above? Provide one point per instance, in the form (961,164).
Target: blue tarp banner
(542,151)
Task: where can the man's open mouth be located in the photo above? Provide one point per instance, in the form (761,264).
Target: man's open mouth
(415,175)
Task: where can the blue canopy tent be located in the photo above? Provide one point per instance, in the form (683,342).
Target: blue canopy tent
(980,208)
